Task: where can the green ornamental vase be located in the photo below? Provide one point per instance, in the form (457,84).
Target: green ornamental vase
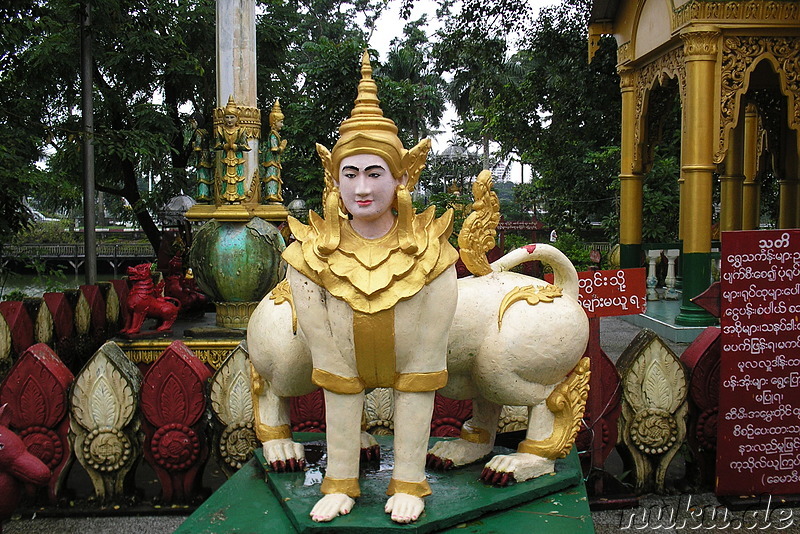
(237,264)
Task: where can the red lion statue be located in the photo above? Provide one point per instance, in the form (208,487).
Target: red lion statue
(18,468)
(145,300)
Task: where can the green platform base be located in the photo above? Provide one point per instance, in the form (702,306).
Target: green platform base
(460,503)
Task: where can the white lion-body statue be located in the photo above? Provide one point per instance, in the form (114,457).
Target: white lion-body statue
(514,340)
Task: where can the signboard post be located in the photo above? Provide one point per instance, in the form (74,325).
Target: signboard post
(758,437)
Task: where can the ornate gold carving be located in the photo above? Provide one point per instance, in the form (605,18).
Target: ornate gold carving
(283,293)
(233,406)
(624,53)
(235,314)
(236,444)
(474,434)
(112,305)
(748,11)
(44,324)
(212,352)
(5,347)
(513,418)
(670,65)
(567,402)
(627,78)
(531,294)
(348,486)
(654,408)
(479,230)
(83,315)
(372,275)
(417,489)
(106,431)
(701,43)
(379,411)
(738,61)
(654,431)
(106,449)
(249,119)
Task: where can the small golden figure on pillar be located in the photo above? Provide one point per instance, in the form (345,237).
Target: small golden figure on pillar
(271,157)
(231,143)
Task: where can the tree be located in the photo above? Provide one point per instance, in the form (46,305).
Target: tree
(562,116)
(412,92)
(153,69)
(140,49)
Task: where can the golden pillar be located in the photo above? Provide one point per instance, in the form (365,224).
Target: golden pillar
(630,215)
(700,47)
(751,189)
(787,199)
(730,217)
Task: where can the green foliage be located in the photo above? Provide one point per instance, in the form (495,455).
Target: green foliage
(453,168)
(574,249)
(14,295)
(42,232)
(514,241)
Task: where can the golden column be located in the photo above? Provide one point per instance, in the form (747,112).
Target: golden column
(730,216)
(751,194)
(630,213)
(787,198)
(700,47)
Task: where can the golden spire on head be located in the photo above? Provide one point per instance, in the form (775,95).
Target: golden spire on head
(231,108)
(276,114)
(367,131)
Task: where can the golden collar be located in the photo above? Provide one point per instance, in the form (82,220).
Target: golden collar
(372,275)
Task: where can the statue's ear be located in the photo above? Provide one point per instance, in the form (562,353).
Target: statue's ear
(414,162)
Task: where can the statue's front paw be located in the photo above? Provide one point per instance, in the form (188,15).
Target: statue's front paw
(448,454)
(505,469)
(330,506)
(284,455)
(404,508)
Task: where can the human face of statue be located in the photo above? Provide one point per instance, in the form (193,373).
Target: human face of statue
(368,188)
(230,120)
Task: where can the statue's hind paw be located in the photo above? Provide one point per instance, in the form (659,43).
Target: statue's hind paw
(449,454)
(505,469)
(370,450)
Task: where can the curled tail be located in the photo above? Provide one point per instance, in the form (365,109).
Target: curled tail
(564,274)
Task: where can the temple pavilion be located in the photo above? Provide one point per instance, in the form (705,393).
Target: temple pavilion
(736,66)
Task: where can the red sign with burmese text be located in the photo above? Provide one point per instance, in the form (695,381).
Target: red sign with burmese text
(758,437)
(612,292)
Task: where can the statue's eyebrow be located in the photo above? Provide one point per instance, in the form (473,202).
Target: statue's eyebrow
(370,167)
(351,167)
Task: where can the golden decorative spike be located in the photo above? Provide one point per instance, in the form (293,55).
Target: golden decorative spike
(328,173)
(531,294)
(477,234)
(567,402)
(283,293)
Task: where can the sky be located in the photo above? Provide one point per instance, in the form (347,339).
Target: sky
(390,25)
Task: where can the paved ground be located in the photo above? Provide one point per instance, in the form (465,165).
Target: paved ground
(668,514)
